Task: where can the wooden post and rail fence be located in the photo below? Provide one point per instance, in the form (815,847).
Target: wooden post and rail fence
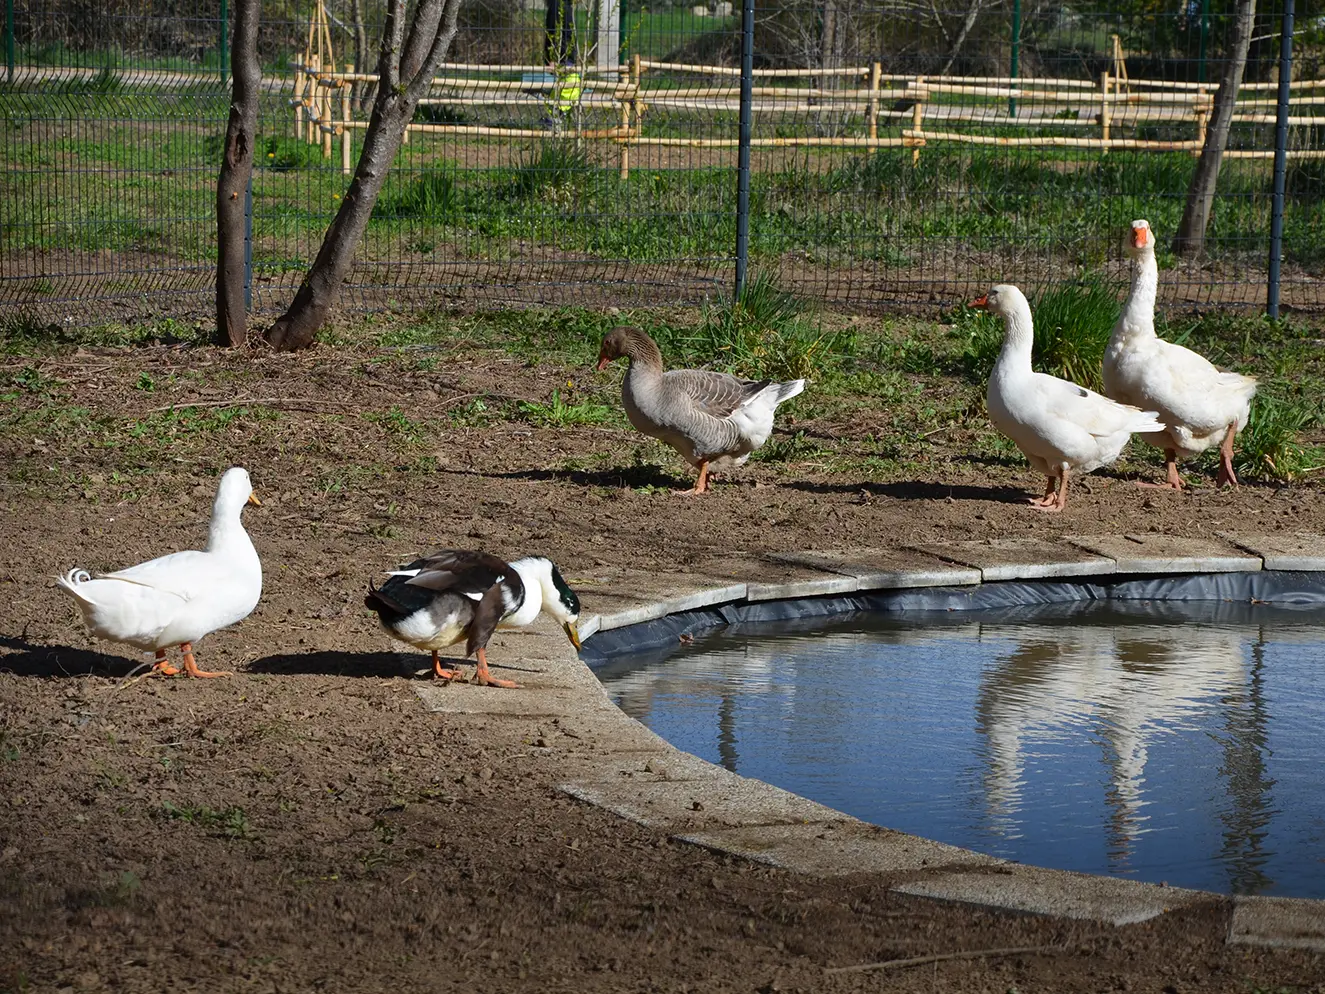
(885,101)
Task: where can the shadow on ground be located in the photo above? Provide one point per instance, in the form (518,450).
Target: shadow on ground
(32,659)
(353,664)
(917,491)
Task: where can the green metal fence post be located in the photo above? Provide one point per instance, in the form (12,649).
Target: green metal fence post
(1280,160)
(9,38)
(225,40)
(1016,52)
(743,145)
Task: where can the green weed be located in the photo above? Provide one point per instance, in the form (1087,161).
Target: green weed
(1271,448)
(553,164)
(765,334)
(397,424)
(563,413)
(431,194)
(231,822)
(281,152)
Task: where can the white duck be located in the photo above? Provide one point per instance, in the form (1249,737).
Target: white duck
(177,599)
(713,420)
(1058,425)
(1201,406)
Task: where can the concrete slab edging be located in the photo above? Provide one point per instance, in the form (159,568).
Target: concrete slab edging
(612,761)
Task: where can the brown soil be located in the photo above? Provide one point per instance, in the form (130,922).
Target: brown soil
(307,825)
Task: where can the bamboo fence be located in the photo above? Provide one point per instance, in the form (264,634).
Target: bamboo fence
(880,99)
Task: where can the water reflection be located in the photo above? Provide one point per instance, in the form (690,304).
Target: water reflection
(1145,740)
(1125,689)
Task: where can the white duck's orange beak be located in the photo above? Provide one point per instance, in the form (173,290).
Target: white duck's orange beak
(253,499)
(980,303)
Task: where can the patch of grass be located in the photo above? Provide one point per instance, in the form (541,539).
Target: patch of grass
(231,822)
(564,412)
(282,153)
(1271,448)
(398,425)
(555,165)
(430,194)
(766,334)
(1072,327)
(790,448)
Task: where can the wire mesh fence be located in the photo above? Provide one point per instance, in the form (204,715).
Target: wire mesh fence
(902,153)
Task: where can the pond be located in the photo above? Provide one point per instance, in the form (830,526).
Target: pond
(1173,742)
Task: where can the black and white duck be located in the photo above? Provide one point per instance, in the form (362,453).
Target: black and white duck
(456,595)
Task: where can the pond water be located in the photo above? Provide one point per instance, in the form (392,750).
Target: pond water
(1182,743)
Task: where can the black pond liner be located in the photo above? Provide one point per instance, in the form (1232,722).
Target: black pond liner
(1244,596)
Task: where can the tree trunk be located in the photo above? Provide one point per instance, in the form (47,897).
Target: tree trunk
(972,12)
(1189,241)
(363,92)
(404,75)
(236,171)
(828,44)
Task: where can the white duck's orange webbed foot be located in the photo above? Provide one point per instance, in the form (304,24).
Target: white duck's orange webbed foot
(485,679)
(161,666)
(191,664)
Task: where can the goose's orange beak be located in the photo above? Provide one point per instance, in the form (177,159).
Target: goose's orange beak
(980,302)
(603,360)
(1140,236)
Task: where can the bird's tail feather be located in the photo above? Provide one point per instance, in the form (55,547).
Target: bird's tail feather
(1146,422)
(377,600)
(72,579)
(789,389)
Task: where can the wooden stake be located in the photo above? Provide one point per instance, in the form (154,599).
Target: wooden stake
(1202,116)
(345,115)
(1104,105)
(917,115)
(314,64)
(876,71)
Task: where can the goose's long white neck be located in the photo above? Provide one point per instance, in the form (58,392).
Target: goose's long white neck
(1015,356)
(1138,317)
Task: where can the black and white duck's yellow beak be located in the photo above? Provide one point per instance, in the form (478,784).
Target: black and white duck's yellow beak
(572,633)
(253,499)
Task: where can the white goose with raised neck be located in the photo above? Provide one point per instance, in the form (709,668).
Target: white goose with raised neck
(1136,323)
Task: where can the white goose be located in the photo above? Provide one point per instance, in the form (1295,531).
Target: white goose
(177,599)
(1058,425)
(1201,405)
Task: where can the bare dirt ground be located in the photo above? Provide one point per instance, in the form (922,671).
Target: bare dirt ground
(306,825)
